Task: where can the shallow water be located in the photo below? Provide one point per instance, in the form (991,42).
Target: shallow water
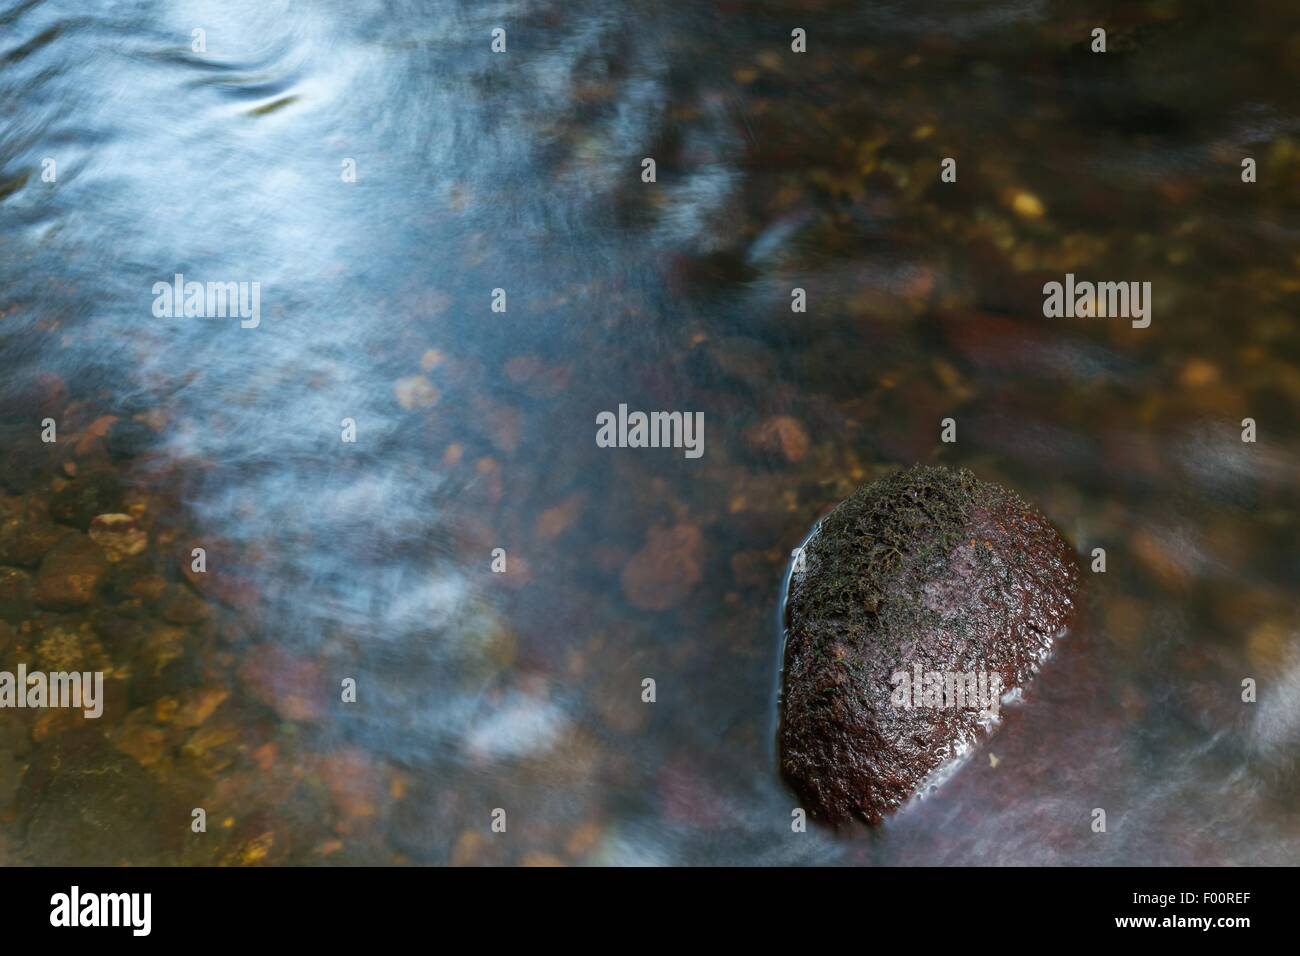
(475,429)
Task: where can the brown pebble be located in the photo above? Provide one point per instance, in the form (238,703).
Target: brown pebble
(667,569)
(553,522)
(780,435)
(118,535)
(292,686)
(71,574)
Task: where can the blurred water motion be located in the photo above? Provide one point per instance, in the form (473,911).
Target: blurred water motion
(521,171)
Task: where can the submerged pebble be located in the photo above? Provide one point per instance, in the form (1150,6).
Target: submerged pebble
(71,574)
(88,805)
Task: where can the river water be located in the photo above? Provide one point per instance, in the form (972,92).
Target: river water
(380,173)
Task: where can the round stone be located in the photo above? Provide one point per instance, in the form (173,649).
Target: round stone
(918,604)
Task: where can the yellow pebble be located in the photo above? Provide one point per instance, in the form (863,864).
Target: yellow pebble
(1027,206)
(1198,372)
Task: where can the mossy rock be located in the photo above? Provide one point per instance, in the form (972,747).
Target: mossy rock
(931,569)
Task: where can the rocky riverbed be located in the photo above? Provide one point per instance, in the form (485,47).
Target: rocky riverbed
(524,690)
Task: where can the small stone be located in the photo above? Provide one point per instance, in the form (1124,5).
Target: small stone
(467,848)
(583,840)
(212,745)
(780,435)
(1198,373)
(17,599)
(200,705)
(553,522)
(667,569)
(147,587)
(81,499)
(118,535)
(354,782)
(59,649)
(91,440)
(71,574)
(1026,205)
(161,662)
(179,605)
(291,686)
(416,392)
(137,736)
(254,851)
(26,539)
(165,709)
(1268,644)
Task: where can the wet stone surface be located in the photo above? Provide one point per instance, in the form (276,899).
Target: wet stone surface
(88,805)
(930,571)
(71,574)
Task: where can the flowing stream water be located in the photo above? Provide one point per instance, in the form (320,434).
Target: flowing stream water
(379,171)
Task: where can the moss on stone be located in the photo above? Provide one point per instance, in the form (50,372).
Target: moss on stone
(914,518)
(929,567)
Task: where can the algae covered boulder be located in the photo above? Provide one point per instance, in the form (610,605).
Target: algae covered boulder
(913,608)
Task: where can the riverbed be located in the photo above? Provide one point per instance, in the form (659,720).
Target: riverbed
(395,477)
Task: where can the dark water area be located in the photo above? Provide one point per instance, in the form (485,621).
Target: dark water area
(475,429)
